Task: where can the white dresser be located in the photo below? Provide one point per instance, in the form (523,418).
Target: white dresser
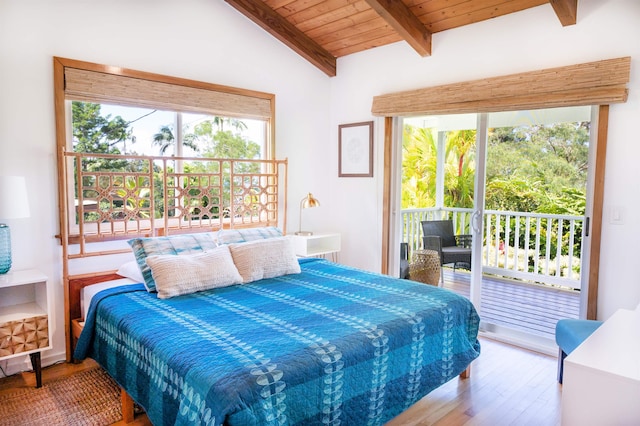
(601,384)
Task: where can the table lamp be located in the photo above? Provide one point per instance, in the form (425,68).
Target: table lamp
(13,205)
(307,202)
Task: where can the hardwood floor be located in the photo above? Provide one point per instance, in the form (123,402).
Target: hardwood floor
(508,386)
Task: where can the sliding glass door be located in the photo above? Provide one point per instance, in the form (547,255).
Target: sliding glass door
(517,182)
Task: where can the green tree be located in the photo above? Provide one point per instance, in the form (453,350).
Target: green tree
(93,132)
(539,168)
(419,165)
(217,143)
(165,140)
(220,122)
(99,134)
(459,168)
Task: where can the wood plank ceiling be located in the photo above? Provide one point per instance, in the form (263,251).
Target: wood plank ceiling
(323,30)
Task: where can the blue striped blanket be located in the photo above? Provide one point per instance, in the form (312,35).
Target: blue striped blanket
(333,345)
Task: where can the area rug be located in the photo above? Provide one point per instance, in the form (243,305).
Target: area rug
(87,398)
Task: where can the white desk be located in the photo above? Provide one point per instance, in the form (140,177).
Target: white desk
(601,384)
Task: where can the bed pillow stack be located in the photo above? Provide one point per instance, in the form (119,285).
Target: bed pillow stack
(183,264)
(171,245)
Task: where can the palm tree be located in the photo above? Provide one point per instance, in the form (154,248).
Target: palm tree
(219,122)
(165,139)
(460,173)
(419,165)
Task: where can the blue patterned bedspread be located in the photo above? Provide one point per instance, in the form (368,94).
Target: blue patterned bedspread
(333,345)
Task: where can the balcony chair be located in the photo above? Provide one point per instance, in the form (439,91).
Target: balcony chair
(438,235)
(570,333)
(404,261)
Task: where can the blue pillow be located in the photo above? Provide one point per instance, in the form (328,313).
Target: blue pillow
(232,236)
(173,244)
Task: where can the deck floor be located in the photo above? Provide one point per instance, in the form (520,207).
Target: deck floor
(531,308)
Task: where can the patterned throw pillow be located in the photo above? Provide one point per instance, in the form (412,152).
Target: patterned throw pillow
(178,275)
(173,244)
(268,258)
(230,236)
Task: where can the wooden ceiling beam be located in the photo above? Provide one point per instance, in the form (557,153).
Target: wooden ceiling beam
(567,11)
(287,33)
(405,22)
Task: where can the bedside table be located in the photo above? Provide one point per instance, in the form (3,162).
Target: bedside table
(24,317)
(317,245)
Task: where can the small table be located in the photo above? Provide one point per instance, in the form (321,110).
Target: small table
(425,267)
(317,245)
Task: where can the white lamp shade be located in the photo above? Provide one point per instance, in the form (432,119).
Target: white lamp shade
(14,203)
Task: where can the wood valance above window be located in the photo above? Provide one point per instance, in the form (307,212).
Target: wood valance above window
(98,83)
(594,83)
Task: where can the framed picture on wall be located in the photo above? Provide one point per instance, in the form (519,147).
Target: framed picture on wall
(355,149)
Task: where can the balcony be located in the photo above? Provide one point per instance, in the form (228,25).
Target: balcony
(527,283)
(524,307)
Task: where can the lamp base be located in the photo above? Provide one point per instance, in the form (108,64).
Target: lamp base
(304,233)
(5,249)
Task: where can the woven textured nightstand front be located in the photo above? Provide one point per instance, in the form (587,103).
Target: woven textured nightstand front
(24,335)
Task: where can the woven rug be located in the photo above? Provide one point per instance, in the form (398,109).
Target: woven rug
(87,398)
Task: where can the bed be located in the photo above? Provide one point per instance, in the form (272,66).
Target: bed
(285,341)
(331,345)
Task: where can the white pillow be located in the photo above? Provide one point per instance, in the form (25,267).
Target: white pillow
(131,270)
(268,258)
(184,274)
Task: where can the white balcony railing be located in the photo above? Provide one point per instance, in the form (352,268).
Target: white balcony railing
(542,248)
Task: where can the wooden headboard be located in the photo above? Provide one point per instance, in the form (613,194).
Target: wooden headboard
(106,199)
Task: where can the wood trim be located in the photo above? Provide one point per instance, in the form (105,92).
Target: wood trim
(567,11)
(593,83)
(128,414)
(61,138)
(72,308)
(405,23)
(78,283)
(386,194)
(287,33)
(596,218)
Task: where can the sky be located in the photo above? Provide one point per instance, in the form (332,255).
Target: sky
(145,123)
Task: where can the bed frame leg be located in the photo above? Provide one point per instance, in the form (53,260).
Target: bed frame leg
(466,373)
(127,407)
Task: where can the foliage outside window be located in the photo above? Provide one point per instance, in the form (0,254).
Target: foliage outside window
(153,132)
(532,168)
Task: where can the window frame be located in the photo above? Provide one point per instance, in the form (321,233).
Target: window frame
(154,91)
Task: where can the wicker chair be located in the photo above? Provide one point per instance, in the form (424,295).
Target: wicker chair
(438,235)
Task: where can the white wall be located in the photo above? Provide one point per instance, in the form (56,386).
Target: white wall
(525,41)
(197,39)
(209,41)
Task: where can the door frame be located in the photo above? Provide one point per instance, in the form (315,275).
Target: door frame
(589,306)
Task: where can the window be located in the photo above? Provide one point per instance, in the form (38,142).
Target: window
(116,112)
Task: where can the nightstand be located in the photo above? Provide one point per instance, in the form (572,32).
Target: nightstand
(317,245)
(24,317)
